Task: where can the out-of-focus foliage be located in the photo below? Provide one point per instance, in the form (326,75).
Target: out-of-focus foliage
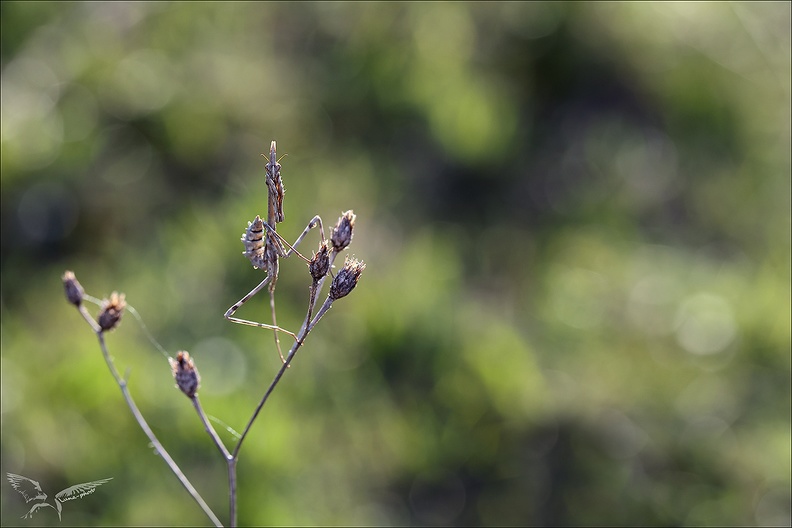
(576,220)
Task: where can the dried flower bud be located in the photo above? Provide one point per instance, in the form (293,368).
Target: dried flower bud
(111,311)
(320,263)
(342,232)
(346,279)
(74,291)
(184,372)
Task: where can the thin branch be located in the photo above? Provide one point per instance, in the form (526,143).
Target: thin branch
(161,451)
(232,491)
(209,429)
(300,340)
(230,461)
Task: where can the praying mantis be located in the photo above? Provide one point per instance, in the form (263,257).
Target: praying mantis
(264,247)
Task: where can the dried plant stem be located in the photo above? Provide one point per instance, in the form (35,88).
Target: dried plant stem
(232,491)
(161,451)
(346,280)
(296,346)
(230,460)
(209,429)
(343,283)
(315,288)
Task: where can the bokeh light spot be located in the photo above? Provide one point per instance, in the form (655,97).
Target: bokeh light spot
(222,365)
(705,324)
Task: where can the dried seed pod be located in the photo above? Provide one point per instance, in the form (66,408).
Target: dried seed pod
(341,235)
(320,263)
(74,291)
(111,311)
(184,372)
(346,279)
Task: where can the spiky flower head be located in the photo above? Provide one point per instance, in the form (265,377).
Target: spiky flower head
(111,311)
(341,235)
(320,262)
(184,372)
(74,291)
(346,279)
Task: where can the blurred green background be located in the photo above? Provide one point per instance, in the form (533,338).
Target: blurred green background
(576,221)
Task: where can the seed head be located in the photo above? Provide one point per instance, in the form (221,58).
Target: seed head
(341,235)
(184,372)
(112,309)
(320,263)
(74,291)
(346,279)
